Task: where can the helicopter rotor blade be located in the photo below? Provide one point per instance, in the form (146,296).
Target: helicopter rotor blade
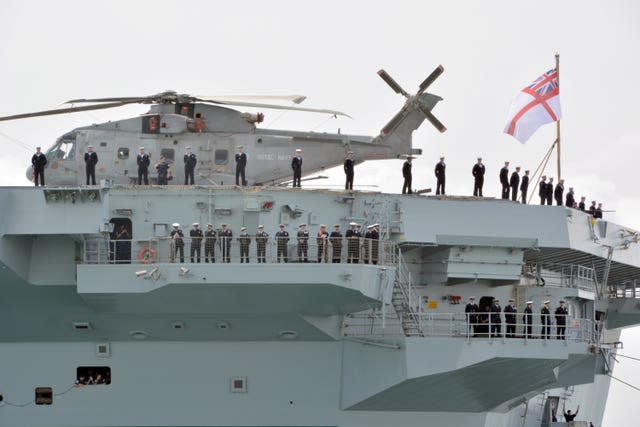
(273,106)
(395,121)
(65,110)
(433,120)
(296,99)
(130,99)
(430,78)
(392,83)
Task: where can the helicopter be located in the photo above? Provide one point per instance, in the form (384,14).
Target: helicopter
(214,132)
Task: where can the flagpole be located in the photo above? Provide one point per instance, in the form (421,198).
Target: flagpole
(558,122)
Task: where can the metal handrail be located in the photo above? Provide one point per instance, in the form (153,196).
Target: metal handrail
(562,275)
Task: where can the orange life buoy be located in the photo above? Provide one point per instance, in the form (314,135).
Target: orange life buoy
(147,255)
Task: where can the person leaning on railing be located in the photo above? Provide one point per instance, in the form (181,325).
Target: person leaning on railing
(177,242)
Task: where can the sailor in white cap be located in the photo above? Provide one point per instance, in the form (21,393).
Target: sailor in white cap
(349,163)
(510,318)
(296,165)
(335,238)
(38,162)
(545,319)
(226,236)
(366,247)
(245,241)
(90,161)
(241,164)
(196,241)
(190,162)
(527,319)
(282,240)
(210,237)
(303,243)
(471,310)
(375,244)
(496,318)
(440,176)
(177,242)
(478,177)
(561,320)
(323,247)
(261,244)
(143,167)
(352,243)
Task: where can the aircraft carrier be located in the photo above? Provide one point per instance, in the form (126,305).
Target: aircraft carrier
(104,332)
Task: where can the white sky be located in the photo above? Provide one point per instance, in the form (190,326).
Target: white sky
(330,51)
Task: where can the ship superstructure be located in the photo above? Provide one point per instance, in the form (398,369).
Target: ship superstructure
(302,343)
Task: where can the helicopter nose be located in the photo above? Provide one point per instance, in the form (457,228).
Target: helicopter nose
(30,173)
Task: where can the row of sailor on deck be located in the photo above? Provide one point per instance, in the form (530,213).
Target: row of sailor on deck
(488,320)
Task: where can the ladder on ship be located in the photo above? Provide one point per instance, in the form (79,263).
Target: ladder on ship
(404,301)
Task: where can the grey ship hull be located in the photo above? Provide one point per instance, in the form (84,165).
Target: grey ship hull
(313,344)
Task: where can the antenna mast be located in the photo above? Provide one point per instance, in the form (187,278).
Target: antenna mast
(558,122)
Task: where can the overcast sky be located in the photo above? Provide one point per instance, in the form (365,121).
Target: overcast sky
(330,51)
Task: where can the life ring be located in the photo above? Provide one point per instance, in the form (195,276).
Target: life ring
(147,255)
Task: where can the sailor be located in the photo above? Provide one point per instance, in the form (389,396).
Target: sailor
(471,311)
(226,236)
(527,319)
(90,161)
(303,243)
(163,169)
(542,192)
(504,180)
(558,192)
(143,167)
(245,241)
(261,244)
(296,165)
(496,319)
(282,239)
(177,242)
(568,416)
(561,320)
(478,177)
(322,242)
(510,318)
(524,186)
(406,174)
(210,237)
(570,199)
(241,164)
(335,238)
(196,241)
(592,208)
(440,176)
(38,161)
(375,237)
(349,163)
(582,205)
(549,191)
(545,319)
(366,247)
(598,212)
(514,182)
(190,162)
(483,321)
(352,242)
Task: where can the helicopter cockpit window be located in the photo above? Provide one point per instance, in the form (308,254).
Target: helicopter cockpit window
(123,153)
(168,153)
(221,157)
(63,150)
(151,124)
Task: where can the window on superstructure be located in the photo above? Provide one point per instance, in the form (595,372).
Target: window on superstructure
(168,153)
(93,375)
(44,395)
(221,157)
(123,153)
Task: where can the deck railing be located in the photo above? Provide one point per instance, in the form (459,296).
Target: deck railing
(561,275)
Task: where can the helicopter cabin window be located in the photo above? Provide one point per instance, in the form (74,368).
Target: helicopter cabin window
(123,153)
(151,124)
(168,153)
(221,157)
(185,109)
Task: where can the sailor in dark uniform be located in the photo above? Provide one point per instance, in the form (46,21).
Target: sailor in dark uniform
(282,240)
(303,243)
(570,199)
(542,192)
(296,165)
(323,243)
(504,180)
(582,205)
(440,176)
(514,182)
(545,319)
(598,212)
(143,167)
(38,161)
(241,164)
(335,238)
(90,161)
(510,319)
(524,186)
(559,192)
(177,242)
(496,319)
(561,321)
(261,244)
(406,174)
(471,311)
(549,192)
(352,242)
(366,247)
(375,243)
(592,208)
(245,241)
(349,163)
(226,236)
(527,319)
(478,177)
(190,162)
(196,242)
(210,237)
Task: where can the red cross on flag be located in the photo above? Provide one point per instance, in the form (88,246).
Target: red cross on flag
(535,105)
